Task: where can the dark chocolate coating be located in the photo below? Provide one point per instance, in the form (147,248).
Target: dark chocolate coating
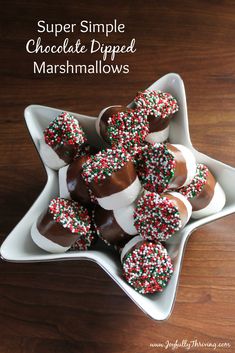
(180,168)
(66,152)
(105,117)
(76,185)
(116,182)
(109,229)
(157,124)
(205,196)
(54,231)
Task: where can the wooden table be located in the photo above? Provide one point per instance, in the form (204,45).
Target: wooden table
(76,307)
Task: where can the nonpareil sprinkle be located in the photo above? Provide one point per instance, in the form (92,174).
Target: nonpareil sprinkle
(157,103)
(148,268)
(70,214)
(195,187)
(64,129)
(128,129)
(101,165)
(156,218)
(155,166)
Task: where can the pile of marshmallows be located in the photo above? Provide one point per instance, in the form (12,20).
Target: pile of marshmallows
(134,194)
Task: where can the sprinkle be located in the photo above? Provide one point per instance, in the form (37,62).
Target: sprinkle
(156,218)
(104,163)
(83,242)
(84,151)
(64,129)
(157,103)
(148,268)
(155,166)
(195,187)
(70,214)
(128,129)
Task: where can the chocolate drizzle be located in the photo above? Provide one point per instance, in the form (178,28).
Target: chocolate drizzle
(108,228)
(54,231)
(116,182)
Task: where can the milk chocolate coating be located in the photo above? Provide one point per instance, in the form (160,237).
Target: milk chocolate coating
(180,169)
(109,229)
(205,196)
(54,231)
(116,182)
(105,117)
(181,207)
(75,182)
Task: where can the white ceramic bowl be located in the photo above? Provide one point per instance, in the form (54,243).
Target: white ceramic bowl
(18,246)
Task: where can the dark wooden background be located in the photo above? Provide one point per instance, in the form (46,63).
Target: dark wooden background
(74,306)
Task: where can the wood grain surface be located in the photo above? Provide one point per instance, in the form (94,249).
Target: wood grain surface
(76,307)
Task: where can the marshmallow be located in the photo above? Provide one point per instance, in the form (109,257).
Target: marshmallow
(61,226)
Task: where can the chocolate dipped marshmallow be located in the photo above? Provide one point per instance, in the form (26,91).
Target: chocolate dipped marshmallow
(112,178)
(104,117)
(71,183)
(62,141)
(159,107)
(125,127)
(147,267)
(204,193)
(115,227)
(158,217)
(162,167)
(61,226)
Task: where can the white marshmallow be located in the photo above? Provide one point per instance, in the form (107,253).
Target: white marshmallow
(63,186)
(49,156)
(158,136)
(122,198)
(131,243)
(44,243)
(190,160)
(125,218)
(216,204)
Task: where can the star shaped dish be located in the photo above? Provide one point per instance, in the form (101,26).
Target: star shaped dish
(19,247)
